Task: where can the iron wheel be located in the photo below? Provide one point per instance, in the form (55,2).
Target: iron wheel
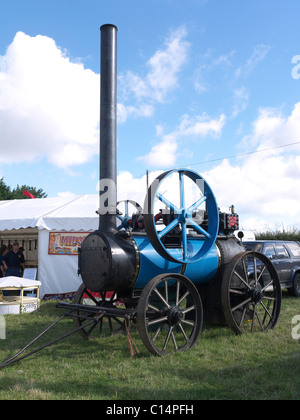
(169,314)
(104,326)
(251,293)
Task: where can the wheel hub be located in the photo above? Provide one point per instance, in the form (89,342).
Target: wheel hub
(256,294)
(175,315)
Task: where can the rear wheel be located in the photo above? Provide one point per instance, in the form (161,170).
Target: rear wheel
(251,293)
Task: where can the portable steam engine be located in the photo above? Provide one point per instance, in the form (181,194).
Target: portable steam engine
(171,255)
(171,263)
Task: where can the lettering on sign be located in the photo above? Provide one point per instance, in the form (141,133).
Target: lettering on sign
(65,243)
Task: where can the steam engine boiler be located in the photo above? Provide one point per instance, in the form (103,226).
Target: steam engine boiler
(171,263)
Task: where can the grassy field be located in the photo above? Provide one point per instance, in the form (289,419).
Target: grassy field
(220,366)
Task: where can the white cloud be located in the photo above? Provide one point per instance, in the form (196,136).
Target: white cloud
(264,186)
(258,55)
(223,64)
(66,194)
(49,106)
(264,193)
(130,188)
(273,129)
(209,64)
(161,79)
(164,154)
(127,111)
(165,65)
(241,99)
(201,126)
(259,187)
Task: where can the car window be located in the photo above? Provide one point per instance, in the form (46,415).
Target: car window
(252,246)
(269,251)
(294,248)
(281,251)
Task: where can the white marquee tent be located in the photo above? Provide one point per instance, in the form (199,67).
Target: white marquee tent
(57,272)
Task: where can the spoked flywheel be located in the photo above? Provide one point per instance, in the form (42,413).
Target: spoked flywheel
(103,326)
(251,293)
(190,205)
(169,314)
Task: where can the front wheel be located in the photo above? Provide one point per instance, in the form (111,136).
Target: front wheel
(103,326)
(169,314)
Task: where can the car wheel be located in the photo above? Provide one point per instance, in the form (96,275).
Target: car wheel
(295,289)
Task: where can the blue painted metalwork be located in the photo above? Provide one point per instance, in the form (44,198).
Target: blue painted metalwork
(152,264)
(183,217)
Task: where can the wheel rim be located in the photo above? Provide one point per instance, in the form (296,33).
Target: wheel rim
(251,293)
(104,326)
(182,214)
(169,314)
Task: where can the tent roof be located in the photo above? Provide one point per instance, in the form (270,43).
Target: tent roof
(62,213)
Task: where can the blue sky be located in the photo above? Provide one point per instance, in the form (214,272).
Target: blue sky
(199,81)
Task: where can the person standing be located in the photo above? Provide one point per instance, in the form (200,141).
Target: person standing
(15,261)
(3,267)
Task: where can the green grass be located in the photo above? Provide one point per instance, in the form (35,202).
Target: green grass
(220,366)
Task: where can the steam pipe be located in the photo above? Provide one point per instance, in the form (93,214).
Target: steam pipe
(108,129)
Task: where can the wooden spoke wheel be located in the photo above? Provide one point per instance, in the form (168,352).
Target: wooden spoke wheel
(104,326)
(169,314)
(251,293)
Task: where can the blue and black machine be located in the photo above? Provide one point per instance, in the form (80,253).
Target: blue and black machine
(170,264)
(175,260)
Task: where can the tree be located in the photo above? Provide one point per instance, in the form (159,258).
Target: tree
(5,191)
(18,193)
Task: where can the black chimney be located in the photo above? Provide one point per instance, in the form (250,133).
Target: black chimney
(108,129)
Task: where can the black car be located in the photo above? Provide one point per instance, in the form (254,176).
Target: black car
(285,256)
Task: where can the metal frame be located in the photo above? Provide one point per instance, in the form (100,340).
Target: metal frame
(99,311)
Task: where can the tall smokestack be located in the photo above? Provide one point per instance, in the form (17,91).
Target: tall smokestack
(108,129)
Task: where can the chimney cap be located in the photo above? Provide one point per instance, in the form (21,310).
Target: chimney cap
(108,24)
